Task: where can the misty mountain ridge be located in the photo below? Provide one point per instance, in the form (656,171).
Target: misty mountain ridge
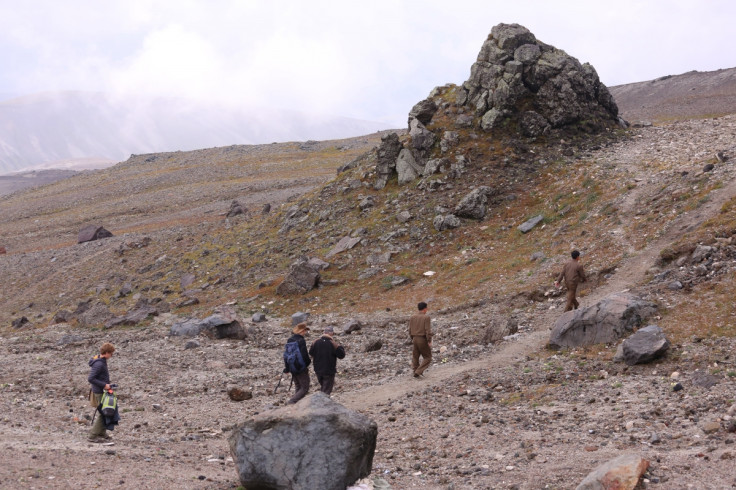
(43,129)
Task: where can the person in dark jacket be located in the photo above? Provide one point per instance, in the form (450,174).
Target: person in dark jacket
(325,352)
(99,380)
(301,378)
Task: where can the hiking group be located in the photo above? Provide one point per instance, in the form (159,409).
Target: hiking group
(323,355)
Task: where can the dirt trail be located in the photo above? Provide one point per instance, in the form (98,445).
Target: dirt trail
(629,273)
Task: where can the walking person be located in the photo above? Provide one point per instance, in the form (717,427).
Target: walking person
(420,331)
(99,380)
(297,361)
(573,275)
(325,352)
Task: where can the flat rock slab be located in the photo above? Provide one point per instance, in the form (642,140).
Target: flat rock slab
(527,226)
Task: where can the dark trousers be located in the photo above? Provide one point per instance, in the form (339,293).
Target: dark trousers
(421,347)
(572,303)
(326,383)
(301,385)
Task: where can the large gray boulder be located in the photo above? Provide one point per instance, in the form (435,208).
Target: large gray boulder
(315,443)
(423,111)
(224,324)
(443,222)
(386,155)
(345,243)
(474,204)
(422,139)
(407,167)
(606,321)
(646,345)
(514,70)
(92,232)
(301,278)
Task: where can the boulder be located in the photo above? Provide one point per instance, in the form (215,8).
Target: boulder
(645,345)
(352,326)
(473,205)
(221,325)
(317,264)
(235,209)
(386,155)
(92,232)
(446,222)
(142,310)
(300,279)
(266,208)
(422,139)
(299,317)
(315,443)
(258,318)
(96,316)
(423,111)
(606,321)
(186,280)
(407,167)
(497,330)
(529,224)
(373,345)
(239,395)
(20,322)
(63,316)
(621,473)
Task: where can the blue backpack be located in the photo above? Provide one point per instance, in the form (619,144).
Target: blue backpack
(293,358)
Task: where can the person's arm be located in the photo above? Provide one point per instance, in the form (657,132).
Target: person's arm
(428,331)
(311,349)
(305,354)
(582,274)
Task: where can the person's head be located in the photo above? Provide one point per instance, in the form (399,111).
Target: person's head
(301,329)
(422,306)
(575,254)
(106,350)
(329,331)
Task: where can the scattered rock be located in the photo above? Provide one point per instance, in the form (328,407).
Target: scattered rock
(647,344)
(528,225)
(299,317)
(373,345)
(300,279)
(222,325)
(236,209)
(191,344)
(63,316)
(474,204)
(258,318)
(20,322)
(446,222)
(334,449)
(238,395)
(351,326)
(345,243)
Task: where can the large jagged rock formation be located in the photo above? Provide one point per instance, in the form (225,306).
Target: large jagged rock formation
(518,86)
(518,79)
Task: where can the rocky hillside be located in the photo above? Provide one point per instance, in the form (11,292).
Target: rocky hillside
(676,97)
(474,209)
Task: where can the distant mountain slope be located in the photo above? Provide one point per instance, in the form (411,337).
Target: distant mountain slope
(692,94)
(43,128)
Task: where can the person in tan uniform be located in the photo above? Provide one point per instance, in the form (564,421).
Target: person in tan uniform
(573,275)
(420,331)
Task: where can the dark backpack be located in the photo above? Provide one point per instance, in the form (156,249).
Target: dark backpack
(293,357)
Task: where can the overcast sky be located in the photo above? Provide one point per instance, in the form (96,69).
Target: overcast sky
(365,59)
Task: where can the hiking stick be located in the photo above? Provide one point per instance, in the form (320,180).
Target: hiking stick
(279,383)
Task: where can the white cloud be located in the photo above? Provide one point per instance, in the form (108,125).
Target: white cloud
(362,59)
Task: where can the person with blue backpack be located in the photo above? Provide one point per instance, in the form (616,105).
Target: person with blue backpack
(296,361)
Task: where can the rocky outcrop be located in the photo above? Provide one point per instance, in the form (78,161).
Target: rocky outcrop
(645,345)
(474,204)
(334,447)
(518,81)
(92,232)
(235,209)
(387,153)
(606,321)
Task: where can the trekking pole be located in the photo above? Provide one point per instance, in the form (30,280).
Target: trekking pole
(279,383)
